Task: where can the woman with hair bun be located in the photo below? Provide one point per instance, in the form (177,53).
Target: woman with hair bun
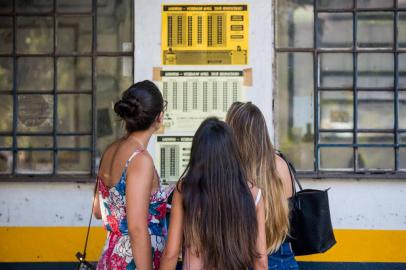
(130,199)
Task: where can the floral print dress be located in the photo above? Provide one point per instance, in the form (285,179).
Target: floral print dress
(117,252)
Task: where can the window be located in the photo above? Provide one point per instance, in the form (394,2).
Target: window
(62,64)
(340,100)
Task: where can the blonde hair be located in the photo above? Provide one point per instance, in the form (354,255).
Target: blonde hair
(258,156)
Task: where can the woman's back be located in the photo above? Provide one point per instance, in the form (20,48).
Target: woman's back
(112,195)
(191,260)
(116,159)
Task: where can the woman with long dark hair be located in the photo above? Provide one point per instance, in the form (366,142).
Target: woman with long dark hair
(217,215)
(130,198)
(270,173)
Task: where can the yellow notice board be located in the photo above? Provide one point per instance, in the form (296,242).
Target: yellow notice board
(205,34)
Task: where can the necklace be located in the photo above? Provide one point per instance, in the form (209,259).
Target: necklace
(138,141)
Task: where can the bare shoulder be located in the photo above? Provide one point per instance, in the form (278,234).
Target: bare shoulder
(284,173)
(177,192)
(254,190)
(281,164)
(113,146)
(141,160)
(108,155)
(140,172)
(179,186)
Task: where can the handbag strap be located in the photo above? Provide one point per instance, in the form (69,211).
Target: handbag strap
(292,172)
(90,219)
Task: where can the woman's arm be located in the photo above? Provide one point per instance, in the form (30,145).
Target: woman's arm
(175,235)
(96,204)
(261,263)
(140,175)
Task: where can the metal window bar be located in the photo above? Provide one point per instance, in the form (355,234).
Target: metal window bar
(55,97)
(396,82)
(356,9)
(93,83)
(342,50)
(54,14)
(15,98)
(70,54)
(355,84)
(356,172)
(316,161)
(51,92)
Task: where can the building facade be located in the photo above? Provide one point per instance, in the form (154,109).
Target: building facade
(329,76)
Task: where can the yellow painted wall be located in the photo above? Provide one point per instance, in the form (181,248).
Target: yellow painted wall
(60,244)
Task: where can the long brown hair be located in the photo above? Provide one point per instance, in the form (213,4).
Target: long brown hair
(258,156)
(220,224)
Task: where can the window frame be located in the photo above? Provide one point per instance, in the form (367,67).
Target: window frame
(355,173)
(93,54)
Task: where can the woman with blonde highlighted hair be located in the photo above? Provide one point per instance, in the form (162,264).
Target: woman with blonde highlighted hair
(270,173)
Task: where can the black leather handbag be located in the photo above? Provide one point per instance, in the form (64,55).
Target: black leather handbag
(83,264)
(311,230)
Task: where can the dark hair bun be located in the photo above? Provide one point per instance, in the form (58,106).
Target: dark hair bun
(126,109)
(139,106)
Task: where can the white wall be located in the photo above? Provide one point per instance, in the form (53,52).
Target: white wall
(45,204)
(365,204)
